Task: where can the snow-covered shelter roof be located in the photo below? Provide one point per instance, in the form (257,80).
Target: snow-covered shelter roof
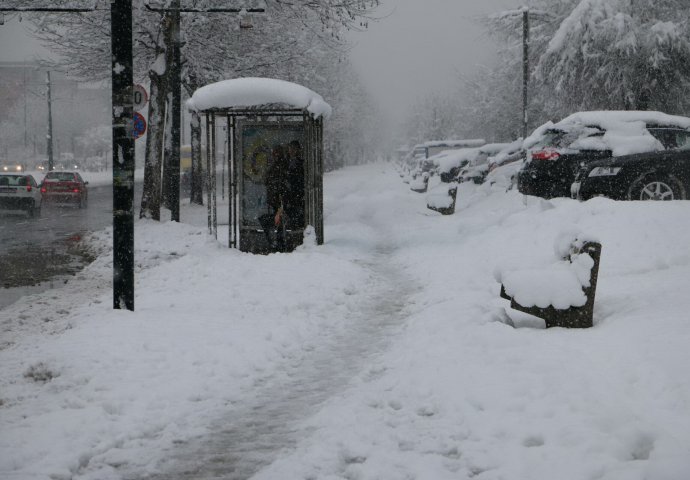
(254,92)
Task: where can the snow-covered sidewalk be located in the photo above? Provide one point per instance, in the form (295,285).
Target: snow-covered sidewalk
(382,346)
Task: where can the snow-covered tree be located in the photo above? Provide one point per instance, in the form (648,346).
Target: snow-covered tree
(584,54)
(626,54)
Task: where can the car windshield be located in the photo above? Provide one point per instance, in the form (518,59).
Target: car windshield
(61,177)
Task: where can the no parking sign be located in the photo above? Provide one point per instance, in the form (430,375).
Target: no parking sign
(138,126)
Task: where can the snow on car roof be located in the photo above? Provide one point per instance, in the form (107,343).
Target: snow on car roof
(509,151)
(254,92)
(449,159)
(612,118)
(625,131)
(472,142)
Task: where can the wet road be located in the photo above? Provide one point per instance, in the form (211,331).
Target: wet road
(56,223)
(36,250)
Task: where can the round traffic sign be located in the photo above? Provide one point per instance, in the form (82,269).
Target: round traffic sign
(138,126)
(140,97)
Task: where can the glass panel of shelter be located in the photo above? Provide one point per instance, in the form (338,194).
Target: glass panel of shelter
(251,138)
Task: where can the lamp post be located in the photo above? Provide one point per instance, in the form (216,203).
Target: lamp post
(525,67)
(123,154)
(49,133)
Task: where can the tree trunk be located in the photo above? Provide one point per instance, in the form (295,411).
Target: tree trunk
(151,197)
(197,196)
(191,83)
(167,153)
(160,87)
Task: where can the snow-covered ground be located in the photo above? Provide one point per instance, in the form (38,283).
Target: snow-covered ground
(378,355)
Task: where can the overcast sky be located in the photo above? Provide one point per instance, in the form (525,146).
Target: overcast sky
(16,44)
(420,45)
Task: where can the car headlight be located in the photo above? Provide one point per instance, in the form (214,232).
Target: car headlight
(604,171)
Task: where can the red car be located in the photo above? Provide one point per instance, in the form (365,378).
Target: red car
(65,187)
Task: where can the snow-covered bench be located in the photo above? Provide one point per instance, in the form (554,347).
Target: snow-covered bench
(442,199)
(562,293)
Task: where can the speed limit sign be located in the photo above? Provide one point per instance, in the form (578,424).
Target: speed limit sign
(140,97)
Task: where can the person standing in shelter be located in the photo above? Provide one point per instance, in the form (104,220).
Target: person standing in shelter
(275,221)
(294,202)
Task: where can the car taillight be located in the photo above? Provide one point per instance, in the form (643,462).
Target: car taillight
(28,188)
(545,155)
(75,190)
(43,189)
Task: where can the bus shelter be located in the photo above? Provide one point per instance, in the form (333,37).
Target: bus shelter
(260,118)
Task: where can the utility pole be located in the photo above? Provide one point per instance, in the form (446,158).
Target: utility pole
(176,100)
(25,87)
(525,67)
(123,154)
(525,12)
(49,135)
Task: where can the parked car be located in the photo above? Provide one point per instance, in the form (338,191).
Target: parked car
(420,158)
(661,175)
(505,165)
(478,167)
(20,192)
(65,187)
(449,163)
(556,152)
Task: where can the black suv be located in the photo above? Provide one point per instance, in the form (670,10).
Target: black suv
(661,175)
(559,151)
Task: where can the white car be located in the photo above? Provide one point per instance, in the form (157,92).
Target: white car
(20,192)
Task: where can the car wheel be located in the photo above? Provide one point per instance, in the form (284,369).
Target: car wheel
(657,187)
(31,210)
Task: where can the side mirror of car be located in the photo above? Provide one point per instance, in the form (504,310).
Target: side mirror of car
(86,183)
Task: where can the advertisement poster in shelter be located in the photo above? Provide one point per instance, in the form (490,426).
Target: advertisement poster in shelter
(256,144)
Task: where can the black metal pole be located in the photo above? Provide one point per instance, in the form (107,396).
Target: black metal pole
(49,134)
(123,155)
(176,100)
(525,67)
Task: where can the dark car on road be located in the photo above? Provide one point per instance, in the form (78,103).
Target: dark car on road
(661,175)
(65,187)
(558,151)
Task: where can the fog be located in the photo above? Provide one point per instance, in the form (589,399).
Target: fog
(419,46)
